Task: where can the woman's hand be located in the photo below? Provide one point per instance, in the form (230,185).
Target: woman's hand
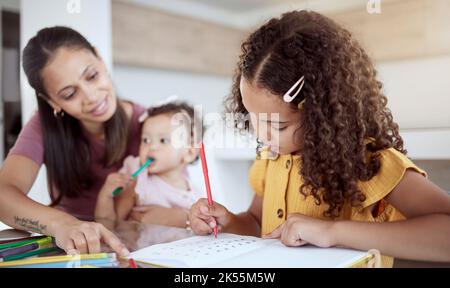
(79,237)
(113,181)
(204,218)
(299,230)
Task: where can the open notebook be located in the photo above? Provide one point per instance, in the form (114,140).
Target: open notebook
(230,250)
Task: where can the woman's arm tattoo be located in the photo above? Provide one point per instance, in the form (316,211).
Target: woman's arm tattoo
(29,224)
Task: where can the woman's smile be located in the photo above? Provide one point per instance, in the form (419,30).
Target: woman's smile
(101,108)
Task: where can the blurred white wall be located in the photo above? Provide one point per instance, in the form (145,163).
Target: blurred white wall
(146,86)
(418,91)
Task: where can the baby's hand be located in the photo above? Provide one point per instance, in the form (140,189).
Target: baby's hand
(204,218)
(113,181)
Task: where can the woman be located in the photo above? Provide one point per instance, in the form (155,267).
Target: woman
(81,133)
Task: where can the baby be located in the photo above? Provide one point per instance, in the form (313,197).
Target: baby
(163,193)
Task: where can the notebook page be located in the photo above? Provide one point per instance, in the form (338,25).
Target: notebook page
(199,251)
(294,257)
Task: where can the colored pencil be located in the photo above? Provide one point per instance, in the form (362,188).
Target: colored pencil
(19,250)
(132,263)
(36,244)
(26,255)
(61,258)
(118,190)
(94,263)
(18,242)
(207,184)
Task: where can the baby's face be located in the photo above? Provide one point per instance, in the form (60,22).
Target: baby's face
(157,142)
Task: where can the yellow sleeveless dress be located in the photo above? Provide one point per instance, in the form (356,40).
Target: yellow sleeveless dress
(278,182)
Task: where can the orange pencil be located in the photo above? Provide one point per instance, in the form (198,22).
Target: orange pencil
(205,175)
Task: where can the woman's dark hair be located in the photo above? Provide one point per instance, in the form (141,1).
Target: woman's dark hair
(196,128)
(66,150)
(345,120)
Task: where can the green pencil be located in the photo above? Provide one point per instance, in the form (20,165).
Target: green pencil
(40,243)
(135,174)
(19,242)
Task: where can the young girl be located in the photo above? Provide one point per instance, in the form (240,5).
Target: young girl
(163,193)
(341,157)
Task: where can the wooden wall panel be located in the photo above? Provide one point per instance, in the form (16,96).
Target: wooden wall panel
(146,37)
(403,29)
(143,36)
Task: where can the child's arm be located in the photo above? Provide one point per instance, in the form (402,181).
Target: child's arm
(203,218)
(425,235)
(155,214)
(105,207)
(125,202)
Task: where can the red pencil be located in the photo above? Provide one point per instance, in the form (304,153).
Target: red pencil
(132,263)
(205,175)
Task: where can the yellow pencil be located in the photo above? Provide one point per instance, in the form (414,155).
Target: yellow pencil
(45,241)
(63,258)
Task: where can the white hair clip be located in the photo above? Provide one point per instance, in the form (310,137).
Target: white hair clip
(171,98)
(287,97)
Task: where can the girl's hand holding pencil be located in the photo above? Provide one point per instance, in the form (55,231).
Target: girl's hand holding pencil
(204,217)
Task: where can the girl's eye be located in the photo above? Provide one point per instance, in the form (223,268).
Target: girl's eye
(165,141)
(146,141)
(279,128)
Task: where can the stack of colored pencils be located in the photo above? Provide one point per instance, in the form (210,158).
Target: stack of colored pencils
(26,247)
(101,260)
(19,253)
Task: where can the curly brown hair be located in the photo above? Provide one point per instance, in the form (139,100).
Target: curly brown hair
(344,105)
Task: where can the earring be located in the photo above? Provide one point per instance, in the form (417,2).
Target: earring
(57,114)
